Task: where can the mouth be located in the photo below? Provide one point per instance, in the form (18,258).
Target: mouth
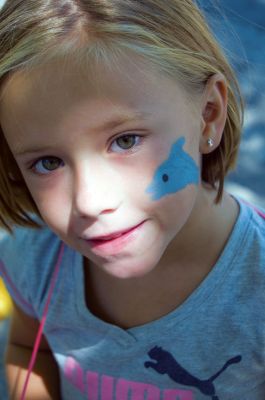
(112,235)
(115,242)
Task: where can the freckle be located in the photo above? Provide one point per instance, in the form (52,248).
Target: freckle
(165,178)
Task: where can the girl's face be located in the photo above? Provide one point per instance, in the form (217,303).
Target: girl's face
(107,151)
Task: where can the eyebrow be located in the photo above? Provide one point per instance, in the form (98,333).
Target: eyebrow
(109,124)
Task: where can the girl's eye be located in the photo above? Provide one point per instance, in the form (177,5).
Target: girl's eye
(45,165)
(125,142)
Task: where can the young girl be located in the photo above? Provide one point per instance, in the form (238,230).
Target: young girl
(119,121)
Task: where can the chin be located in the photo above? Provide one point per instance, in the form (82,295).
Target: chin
(130,269)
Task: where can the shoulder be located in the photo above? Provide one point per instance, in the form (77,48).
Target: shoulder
(257,225)
(249,246)
(245,249)
(27,260)
(252,220)
(27,245)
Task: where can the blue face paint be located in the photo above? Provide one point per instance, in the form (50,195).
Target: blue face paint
(174,174)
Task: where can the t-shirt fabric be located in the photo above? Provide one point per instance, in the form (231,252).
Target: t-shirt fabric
(211,347)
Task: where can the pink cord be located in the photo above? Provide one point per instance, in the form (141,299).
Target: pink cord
(43,320)
(254,208)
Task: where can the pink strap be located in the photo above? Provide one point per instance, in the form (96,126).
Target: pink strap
(258,211)
(43,320)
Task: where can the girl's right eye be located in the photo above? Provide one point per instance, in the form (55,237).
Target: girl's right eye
(46,165)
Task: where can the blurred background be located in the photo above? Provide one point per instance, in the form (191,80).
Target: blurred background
(239,26)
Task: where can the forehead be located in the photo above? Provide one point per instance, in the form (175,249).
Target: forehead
(59,94)
(127,77)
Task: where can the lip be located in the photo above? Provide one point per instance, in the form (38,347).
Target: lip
(114,245)
(113,235)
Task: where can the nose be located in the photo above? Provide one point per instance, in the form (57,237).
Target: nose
(97,190)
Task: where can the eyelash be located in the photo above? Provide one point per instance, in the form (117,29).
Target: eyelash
(131,150)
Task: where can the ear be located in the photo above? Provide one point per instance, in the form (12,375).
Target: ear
(213,112)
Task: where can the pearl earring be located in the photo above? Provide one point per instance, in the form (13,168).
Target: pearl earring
(210,142)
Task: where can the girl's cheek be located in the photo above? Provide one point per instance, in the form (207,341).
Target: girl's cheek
(174,174)
(50,199)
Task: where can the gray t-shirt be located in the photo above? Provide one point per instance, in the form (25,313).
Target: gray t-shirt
(212,347)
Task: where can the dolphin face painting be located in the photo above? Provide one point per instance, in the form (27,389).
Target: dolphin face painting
(175,173)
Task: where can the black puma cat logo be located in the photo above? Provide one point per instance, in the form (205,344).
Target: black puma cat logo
(166,364)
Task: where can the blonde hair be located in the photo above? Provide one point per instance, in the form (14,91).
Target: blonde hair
(172,35)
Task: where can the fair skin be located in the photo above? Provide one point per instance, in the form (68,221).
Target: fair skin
(95,186)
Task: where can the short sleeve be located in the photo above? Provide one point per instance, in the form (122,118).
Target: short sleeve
(27,258)
(10,259)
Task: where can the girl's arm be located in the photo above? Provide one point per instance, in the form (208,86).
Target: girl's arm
(44,381)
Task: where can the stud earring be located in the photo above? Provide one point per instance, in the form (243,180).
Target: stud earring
(210,142)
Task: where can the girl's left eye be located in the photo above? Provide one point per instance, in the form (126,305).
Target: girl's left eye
(126,143)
